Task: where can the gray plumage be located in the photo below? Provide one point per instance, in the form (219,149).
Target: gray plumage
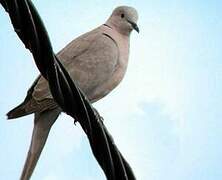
(96,61)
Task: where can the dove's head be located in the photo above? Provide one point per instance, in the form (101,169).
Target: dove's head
(124,19)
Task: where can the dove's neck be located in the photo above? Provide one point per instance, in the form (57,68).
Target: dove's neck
(121,40)
(114,25)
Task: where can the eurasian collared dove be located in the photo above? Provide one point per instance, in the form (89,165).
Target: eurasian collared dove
(96,61)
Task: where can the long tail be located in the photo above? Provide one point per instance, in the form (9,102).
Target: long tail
(42,125)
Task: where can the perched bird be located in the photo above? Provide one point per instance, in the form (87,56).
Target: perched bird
(96,61)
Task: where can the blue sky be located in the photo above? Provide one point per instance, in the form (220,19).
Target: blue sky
(170,126)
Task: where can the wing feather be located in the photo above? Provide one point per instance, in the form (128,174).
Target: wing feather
(90,60)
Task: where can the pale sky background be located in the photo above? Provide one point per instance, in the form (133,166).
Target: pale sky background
(165,116)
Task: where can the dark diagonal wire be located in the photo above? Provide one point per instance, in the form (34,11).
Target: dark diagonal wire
(30,29)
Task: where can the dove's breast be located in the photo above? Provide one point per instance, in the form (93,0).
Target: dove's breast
(122,44)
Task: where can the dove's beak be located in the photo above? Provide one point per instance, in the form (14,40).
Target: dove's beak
(134,25)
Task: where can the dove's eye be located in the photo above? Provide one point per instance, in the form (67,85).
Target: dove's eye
(122,15)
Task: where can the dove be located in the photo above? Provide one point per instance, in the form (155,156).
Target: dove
(96,61)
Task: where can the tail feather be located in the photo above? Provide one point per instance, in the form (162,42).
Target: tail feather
(42,125)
